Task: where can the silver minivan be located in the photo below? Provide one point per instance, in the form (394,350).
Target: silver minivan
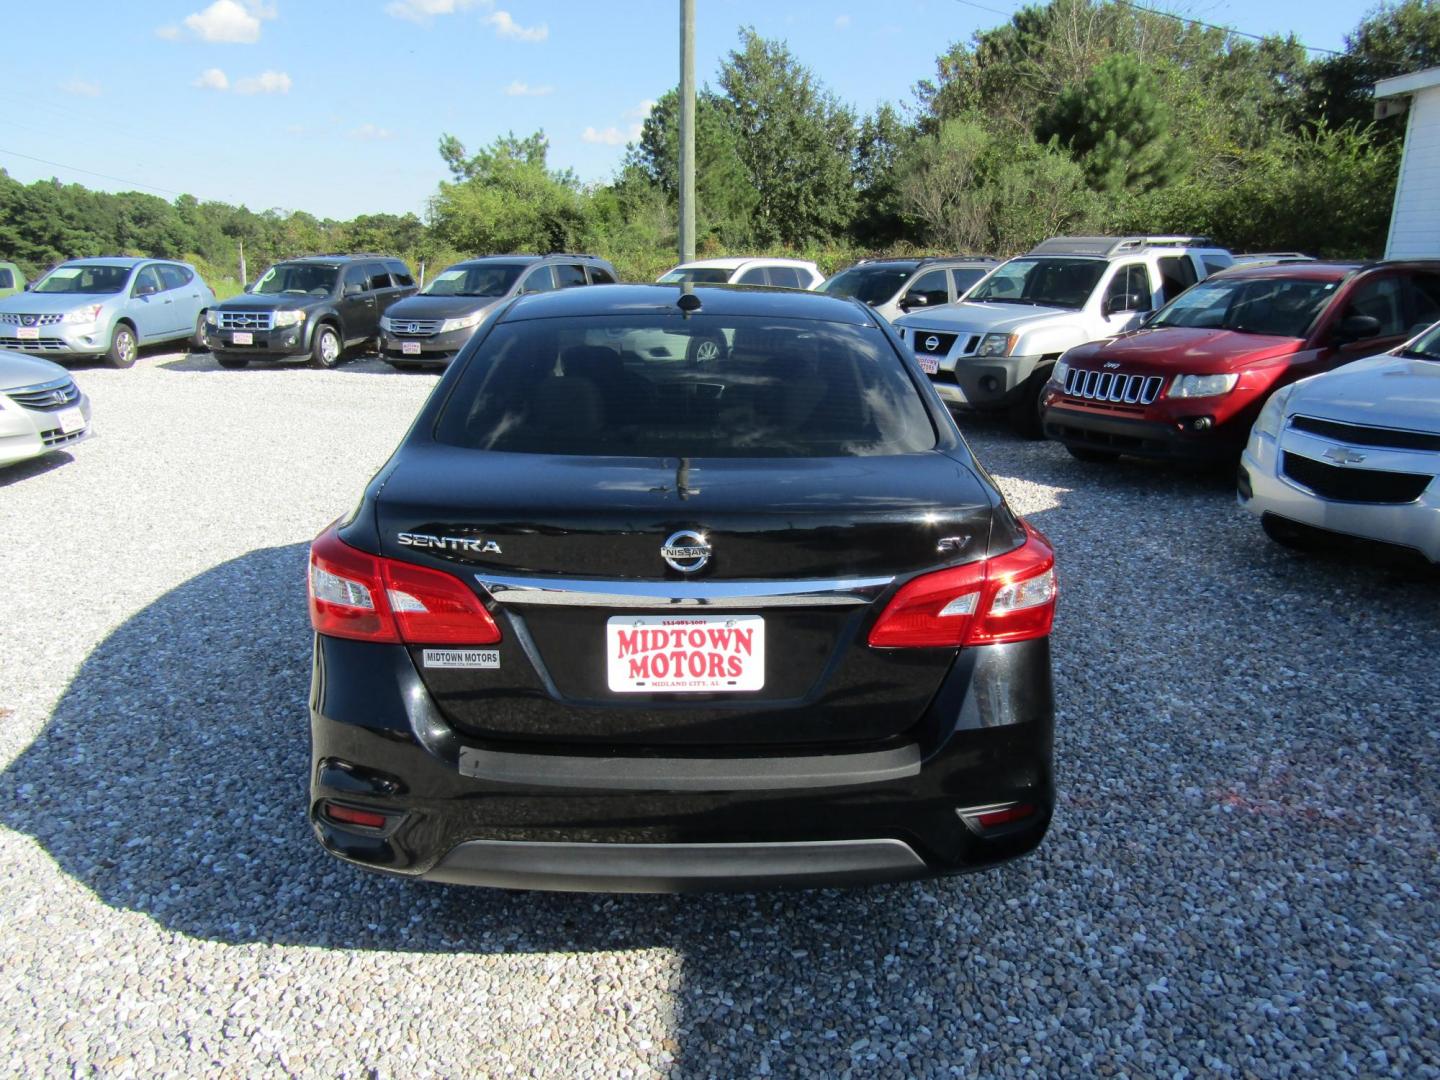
(106,307)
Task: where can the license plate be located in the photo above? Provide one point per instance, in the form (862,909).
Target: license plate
(675,654)
(929,365)
(242,337)
(28,333)
(410,348)
(70,420)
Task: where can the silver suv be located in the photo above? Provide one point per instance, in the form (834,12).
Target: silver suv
(106,307)
(894,287)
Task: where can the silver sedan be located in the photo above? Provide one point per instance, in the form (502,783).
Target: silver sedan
(41,408)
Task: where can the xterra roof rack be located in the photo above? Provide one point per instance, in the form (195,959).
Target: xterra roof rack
(1105,246)
(921,260)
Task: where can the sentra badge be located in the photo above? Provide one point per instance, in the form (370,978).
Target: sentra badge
(468,544)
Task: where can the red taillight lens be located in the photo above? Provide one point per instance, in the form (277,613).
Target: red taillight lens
(348,815)
(369,598)
(1008,598)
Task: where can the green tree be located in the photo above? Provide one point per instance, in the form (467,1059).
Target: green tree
(1117,126)
(794,139)
(1394,39)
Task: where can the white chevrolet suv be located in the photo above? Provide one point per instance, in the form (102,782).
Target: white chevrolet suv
(777,273)
(994,350)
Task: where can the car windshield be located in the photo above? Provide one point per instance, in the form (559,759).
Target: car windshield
(698,275)
(1060,283)
(90,280)
(297,279)
(869,284)
(753,387)
(486,279)
(1426,346)
(1283,307)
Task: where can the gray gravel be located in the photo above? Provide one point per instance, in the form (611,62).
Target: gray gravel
(1241,880)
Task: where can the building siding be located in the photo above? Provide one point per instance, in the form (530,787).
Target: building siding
(1415,222)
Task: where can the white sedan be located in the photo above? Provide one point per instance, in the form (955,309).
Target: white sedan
(1355,451)
(41,408)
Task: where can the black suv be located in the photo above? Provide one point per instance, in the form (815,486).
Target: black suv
(429,329)
(317,307)
(605,621)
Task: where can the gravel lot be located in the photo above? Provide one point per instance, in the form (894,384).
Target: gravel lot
(1241,880)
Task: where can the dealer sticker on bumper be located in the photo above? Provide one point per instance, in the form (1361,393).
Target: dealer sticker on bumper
(929,364)
(649,654)
(461,658)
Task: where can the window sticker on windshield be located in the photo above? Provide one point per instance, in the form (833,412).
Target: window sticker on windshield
(65,273)
(462,658)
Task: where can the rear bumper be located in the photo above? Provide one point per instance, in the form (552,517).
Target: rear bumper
(527,816)
(1161,439)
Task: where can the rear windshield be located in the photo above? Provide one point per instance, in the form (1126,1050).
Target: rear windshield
(486,279)
(1283,308)
(660,386)
(698,275)
(1061,283)
(869,284)
(87,280)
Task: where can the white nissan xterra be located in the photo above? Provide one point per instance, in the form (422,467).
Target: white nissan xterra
(994,349)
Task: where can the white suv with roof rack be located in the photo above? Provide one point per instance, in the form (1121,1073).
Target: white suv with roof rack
(994,350)
(777,273)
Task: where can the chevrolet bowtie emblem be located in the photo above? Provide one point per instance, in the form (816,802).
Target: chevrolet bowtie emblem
(1341,456)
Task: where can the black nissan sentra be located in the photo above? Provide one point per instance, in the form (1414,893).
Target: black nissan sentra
(614,619)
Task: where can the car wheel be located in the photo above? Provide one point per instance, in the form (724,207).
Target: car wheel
(1094,457)
(327,349)
(123,347)
(705,350)
(197,339)
(1024,415)
(1287,534)
(231,361)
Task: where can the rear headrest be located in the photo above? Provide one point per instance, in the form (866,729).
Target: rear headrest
(568,404)
(591,362)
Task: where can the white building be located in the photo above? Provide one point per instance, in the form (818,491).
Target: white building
(1415,216)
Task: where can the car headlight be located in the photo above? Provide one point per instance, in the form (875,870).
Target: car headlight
(1060,373)
(1197,386)
(462,322)
(996,345)
(212,318)
(288,318)
(83,315)
(1272,416)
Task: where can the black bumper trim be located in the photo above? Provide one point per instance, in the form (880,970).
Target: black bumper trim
(1139,438)
(593,867)
(690,774)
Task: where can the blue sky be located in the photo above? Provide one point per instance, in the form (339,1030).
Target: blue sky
(336,107)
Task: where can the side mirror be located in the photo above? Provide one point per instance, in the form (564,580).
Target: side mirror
(1130,304)
(249,286)
(29,285)
(1357,328)
(913,299)
(354,289)
(144,289)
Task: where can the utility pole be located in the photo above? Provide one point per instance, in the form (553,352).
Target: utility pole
(687,130)
(244,279)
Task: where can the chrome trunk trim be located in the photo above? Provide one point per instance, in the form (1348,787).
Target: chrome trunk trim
(583,592)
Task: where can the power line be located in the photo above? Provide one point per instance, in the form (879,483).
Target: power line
(90,172)
(1222,29)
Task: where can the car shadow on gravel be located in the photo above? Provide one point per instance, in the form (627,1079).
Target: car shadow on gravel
(171,781)
(368,364)
(36,466)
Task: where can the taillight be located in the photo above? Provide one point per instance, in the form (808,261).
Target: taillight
(1008,598)
(369,598)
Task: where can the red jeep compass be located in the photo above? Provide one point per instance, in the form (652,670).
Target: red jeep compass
(1189,383)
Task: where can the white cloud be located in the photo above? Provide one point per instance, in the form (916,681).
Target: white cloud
(422,11)
(81,88)
(641,111)
(842,22)
(267,82)
(212,79)
(168,33)
(610,136)
(371,133)
(229,21)
(520,89)
(507,27)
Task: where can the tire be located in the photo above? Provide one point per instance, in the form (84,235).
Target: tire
(326,350)
(705,350)
(232,362)
(123,347)
(1024,415)
(1287,535)
(197,339)
(1093,457)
